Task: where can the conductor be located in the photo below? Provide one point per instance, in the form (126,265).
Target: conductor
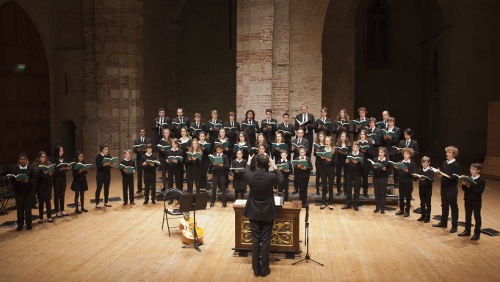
(260,210)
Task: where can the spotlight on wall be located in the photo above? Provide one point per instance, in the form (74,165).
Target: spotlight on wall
(19,68)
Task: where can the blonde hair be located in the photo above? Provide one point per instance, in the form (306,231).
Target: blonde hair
(453,149)
(409,151)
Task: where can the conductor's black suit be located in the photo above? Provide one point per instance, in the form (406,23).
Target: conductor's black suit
(261,211)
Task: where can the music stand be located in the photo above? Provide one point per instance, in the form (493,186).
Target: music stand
(194,202)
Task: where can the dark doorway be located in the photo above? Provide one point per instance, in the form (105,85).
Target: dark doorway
(24,83)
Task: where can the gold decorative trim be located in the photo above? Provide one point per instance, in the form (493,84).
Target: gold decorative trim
(281,235)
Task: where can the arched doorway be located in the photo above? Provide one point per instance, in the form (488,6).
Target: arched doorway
(24,83)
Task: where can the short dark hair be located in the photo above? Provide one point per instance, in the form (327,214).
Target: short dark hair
(269,111)
(102,146)
(408,131)
(286,114)
(391,119)
(149,146)
(262,161)
(161,110)
(142,128)
(478,166)
(218,146)
(22,155)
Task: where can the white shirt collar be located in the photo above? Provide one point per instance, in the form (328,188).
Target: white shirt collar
(381,160)
(425,169)
(476,177)
(127,160)
(355,154)
(373,128)
(61,160)
(23,167)
(176,149)
(300,158)
(149,154)
(328,150)
(219,155)
(241,143)
(407,162)
(450,162)
(239,160)
(283,161)
(102,154)
(390,128)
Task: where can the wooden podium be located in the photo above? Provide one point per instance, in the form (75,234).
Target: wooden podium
(284,237)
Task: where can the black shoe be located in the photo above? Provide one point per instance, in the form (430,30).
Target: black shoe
(29,227)
(19,227)
(376,210)
(322,207)
(464,234)
(132,203)
(440,225)
(84,210)
(346,207)
(256,274)
(356,208)
(304,206)
(125,203)
(338,194)
(295,192)
(163,189)
(427,219)
(453,230)
(365,194)
(400,212)
(266,273)
(224,204)
(382,211)
(407,214)
(422,218)
(138,191)
(475,237)
(153,201)
(146,202)
(211,204)
(78,211)
(170,201)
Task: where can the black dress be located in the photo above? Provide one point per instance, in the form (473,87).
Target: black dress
(193,170)
(79,180)
(239,182)
(163,155)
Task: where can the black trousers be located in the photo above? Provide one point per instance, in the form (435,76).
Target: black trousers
(366,169)
(449,201)
(204,171)
(350,178)
(102,178)
(327,178)
(283,187)
(319,177)
(339,166)
(405,190)
(139,172)
(261,233)
(149,185)
(128,188)
(303,182)
(311,141)
(190,186)
(476,208)
(379,186)
(24,202)
(44,194)
(178,178)
(59,185)
(425,195)
(219,181)
(395,158)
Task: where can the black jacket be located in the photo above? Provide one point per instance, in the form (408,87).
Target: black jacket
(475,192)
(260,202)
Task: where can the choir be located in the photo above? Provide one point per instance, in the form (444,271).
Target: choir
(375,147)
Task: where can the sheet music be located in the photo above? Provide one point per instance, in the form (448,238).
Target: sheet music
(278,201)
(240,202)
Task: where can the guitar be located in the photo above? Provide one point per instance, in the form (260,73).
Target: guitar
(187,225)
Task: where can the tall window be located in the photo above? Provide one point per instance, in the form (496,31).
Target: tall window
(377,31)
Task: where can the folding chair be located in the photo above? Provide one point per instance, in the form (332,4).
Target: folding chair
(6,193)
(172,193)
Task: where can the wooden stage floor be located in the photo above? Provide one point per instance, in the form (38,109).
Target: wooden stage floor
(126,243)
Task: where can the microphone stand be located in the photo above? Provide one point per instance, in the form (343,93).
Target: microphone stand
(307,258)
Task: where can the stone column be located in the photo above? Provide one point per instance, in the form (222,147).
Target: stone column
(117,107)
(254,56)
